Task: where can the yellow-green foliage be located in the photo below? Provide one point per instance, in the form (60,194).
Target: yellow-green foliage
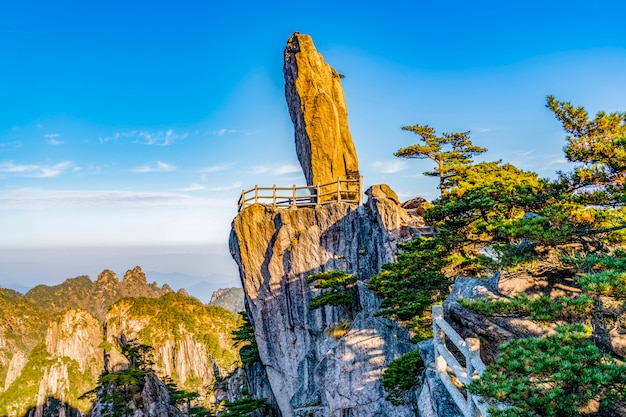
(541,308)
(22,393)
(168,315)
(401,376)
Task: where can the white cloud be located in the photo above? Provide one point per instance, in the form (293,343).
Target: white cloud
(158,138)
(34,198)
(222,132)
(194,187)
(275,171)
(13,144)
(51,139)
(389,167)
(161,138)
(216,168)
(157,166)
(35,170)
(524,153)
(233,186)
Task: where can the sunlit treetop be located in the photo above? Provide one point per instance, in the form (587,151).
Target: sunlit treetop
(451,152)
(599,145)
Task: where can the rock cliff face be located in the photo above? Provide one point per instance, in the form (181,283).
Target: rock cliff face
(318,110)
(69,362)
(192,341)
(326,362)
(312,370)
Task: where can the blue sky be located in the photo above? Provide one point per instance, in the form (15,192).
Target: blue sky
(137,123)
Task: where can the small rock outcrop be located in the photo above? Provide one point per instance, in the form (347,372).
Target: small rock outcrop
(319,114)
(153,401)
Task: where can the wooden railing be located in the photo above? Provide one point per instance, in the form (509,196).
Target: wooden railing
(471,405)
(344,190)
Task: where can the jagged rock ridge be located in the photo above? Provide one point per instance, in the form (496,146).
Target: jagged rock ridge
(51,354)
(95,297)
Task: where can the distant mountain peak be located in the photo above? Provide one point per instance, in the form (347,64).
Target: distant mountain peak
(107,276)
(135,275)
(228,298)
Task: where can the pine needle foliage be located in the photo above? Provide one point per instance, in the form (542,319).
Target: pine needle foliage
(243,337)
(542,308)
(602,274)
(555,376)
(409,286)
(244,406)
(402,376)
(337,289)
(491,217)
(117,390)
(599,144)
(451,152)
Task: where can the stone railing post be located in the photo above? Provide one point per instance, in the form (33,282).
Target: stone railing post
(473,347)
(438,338)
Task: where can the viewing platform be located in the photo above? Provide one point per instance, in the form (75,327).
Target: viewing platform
(342,190)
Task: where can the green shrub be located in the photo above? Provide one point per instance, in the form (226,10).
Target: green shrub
(602,274)
(244,406)
(244,338)
(402,376)
(339,287)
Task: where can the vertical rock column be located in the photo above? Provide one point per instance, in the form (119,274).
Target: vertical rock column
(319,114)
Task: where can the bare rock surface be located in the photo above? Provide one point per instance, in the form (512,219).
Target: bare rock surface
(312,370)
(71,344)
(319,114)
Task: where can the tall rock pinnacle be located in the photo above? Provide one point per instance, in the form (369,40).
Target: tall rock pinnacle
(319,114)
(323,361)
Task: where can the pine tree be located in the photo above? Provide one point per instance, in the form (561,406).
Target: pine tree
(452,152)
